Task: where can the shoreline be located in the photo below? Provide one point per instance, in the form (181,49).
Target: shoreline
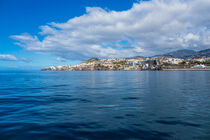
(186,69)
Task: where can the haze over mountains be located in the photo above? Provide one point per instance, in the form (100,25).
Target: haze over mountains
(185,53)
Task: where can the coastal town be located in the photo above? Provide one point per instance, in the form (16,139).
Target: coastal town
(137,64)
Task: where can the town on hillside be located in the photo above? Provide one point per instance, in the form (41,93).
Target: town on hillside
(138,64)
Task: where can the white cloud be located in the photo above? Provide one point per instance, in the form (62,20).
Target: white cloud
(8,57)
(148,28)
(61,59)
(24,60)
(192,37)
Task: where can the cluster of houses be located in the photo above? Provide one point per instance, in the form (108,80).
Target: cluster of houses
(138,63)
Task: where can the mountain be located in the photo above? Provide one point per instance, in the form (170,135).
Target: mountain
(91,60)
(203,53)
(188,53)
(180,53)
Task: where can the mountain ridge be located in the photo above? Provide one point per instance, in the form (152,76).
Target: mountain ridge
(185,53)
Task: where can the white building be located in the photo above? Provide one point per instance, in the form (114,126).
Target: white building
(199,66)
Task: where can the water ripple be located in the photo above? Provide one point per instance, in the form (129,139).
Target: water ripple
(105,105)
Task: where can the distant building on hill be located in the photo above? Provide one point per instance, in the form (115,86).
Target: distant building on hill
(199,66)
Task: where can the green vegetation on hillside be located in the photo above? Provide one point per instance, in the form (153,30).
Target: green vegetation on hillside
(91,60)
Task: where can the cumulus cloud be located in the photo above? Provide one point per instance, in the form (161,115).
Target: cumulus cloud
(148,28)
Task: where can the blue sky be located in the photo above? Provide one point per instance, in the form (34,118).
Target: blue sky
(21,16)
(40,33)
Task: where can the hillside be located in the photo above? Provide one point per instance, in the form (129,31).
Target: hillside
(203,53)
(91,60)
(188,53)
(180,53)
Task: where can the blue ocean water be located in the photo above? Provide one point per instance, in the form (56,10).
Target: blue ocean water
(160,105)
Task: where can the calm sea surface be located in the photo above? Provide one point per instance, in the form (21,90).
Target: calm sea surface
(105,105)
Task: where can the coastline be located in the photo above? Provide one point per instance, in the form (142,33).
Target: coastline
(186,69)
